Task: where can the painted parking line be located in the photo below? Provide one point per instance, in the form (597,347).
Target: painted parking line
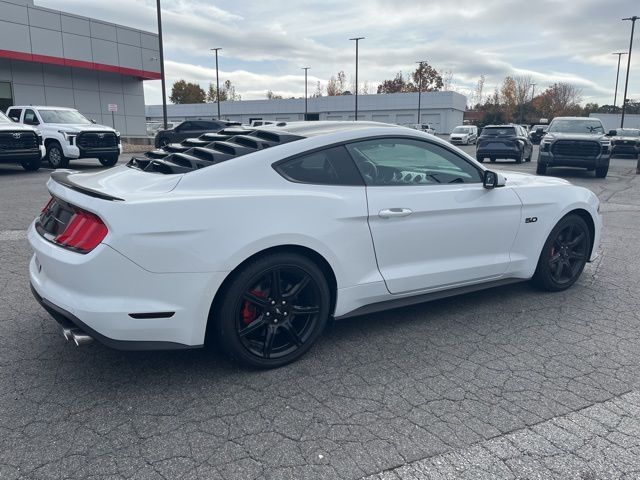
(12,235)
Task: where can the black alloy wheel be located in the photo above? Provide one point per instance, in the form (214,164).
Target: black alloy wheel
(564,255)
(273,311)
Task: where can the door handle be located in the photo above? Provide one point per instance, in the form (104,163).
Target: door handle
(394,212)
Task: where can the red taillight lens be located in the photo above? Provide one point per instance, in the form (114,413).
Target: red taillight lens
(84,232)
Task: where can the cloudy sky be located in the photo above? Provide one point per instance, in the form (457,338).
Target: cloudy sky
(265,43)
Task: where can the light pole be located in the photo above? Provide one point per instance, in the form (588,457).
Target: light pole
(615,95)
(533,91)
(217,80)
(420,91)
(357,40)
(161,52)
(305,91)
(626,83)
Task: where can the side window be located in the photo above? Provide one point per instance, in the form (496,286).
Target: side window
(331,166)
(403,161)
(30,117)
(14,114)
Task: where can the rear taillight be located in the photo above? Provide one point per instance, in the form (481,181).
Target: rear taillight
(81,231)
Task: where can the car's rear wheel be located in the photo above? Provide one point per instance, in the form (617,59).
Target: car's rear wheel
(55,156)
(480,159)
(31,165)
(273,310)
(541,169)
(601,172)
(564,254)
(109,161)
(519,159)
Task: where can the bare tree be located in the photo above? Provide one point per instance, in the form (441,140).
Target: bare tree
(273,96)
(318,91)
(337,84)
(478,93)
(447,80)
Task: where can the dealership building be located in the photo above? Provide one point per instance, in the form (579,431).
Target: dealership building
(443,110)
(54,58)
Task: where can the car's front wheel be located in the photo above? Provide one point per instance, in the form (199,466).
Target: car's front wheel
(541,169)
(601,172)
(31,165)
(564,254)
(273,310)
(109,161)
(55,156)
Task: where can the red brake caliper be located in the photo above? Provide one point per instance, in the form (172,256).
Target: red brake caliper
(250,311)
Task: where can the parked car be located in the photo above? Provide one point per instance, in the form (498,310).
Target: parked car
(188,129)
(465,134)
(504,141)
(20,144)
(425,127)
(625,141)
(256,239)
(575,142)
(69,135)
(537,132)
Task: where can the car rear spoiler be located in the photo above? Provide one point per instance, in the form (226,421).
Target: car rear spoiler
(62,177)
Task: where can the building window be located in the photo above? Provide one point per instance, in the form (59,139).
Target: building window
(6,96)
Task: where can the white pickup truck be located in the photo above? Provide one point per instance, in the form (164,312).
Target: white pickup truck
(69,135)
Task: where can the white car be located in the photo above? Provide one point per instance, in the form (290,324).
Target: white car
(465,134)
(425,127)
(258,240)
(69,135)
(20,144)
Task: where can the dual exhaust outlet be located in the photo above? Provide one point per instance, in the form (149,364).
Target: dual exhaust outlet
(76,336)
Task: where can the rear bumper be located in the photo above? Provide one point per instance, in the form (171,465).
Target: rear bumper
(498,153)
(98,293)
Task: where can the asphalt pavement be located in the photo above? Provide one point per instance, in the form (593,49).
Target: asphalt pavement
(504,383)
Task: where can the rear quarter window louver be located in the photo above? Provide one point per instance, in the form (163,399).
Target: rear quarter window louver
(219,147)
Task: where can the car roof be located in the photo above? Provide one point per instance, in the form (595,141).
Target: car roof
(41,107)
(324,127)
(577,118)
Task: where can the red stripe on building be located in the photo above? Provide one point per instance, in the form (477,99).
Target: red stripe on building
(102,67)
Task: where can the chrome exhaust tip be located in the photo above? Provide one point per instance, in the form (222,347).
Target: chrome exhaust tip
(80,338)
(67,333)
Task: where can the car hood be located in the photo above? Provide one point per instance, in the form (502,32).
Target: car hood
(12,127)
(574,136)
(525,179)
(80,127)
(120,183)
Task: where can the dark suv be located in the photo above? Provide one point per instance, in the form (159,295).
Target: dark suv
(188,129)
(575,142)
(625,141)
(504,141)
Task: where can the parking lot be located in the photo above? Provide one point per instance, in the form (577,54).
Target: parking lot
(503,383)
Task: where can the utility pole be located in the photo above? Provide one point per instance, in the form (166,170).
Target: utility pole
(615,95)
(161,52)
(305,91)
(217,80)
(420,92)
(357,40)
(533,91)
(626,83)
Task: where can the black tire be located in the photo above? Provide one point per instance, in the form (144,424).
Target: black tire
(55,156)
(492,160)
(563,255)
(601,172)
(163,142)
(541,169)
(519,159)
(273,334)
(31,165)
(480,159)
(109,161)
(528,159)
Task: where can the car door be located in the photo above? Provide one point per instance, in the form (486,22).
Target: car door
(433,223)
(183,131)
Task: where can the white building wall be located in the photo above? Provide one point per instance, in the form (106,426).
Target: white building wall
(443,109)
(611,121)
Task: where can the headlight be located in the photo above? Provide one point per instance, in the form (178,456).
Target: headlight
(68,136)
(117,134)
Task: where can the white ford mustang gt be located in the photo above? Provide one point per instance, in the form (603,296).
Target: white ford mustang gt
(288,227)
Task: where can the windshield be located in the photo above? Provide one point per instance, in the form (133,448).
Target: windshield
(536,127)
(628,132)
(498,131)
(576,126)
(4,118)
(63,116)
(460,130)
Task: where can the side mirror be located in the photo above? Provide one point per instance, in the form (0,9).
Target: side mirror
(612,133)
(492,179)
(93,120)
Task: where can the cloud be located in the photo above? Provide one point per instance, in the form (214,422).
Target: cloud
(265,43)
